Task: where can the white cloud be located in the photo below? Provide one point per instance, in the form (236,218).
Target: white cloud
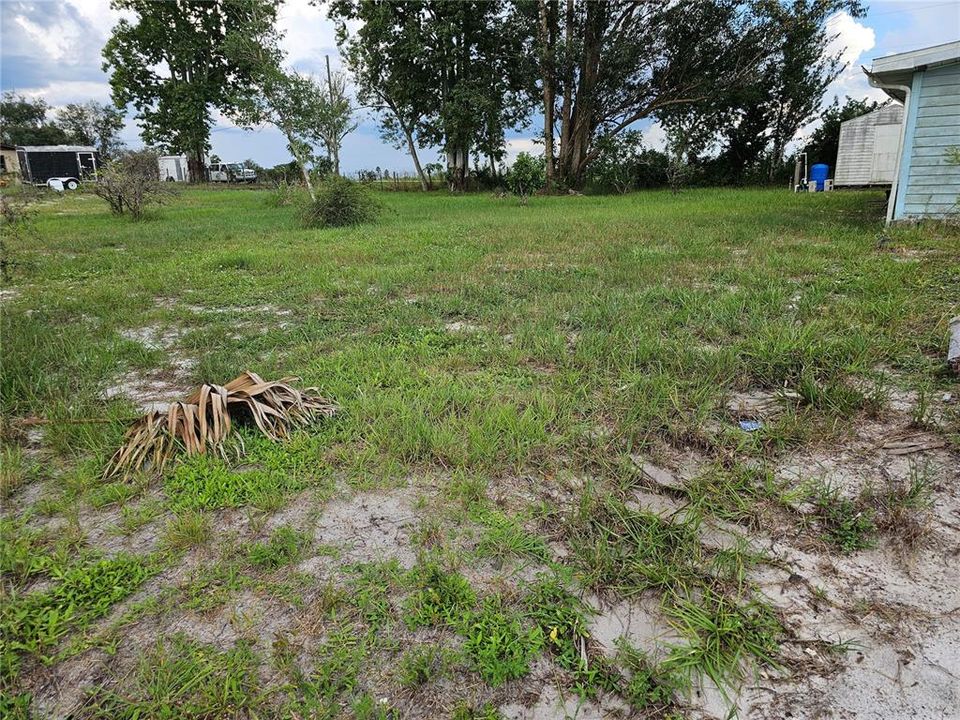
(655,137)
(62,92)
(515,146)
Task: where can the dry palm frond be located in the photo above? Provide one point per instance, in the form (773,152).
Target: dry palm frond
(203,421)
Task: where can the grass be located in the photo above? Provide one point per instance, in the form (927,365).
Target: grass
(515,358)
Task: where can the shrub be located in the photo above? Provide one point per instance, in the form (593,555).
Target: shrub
(339,203)
(526,175)
(132,182)
(283,194)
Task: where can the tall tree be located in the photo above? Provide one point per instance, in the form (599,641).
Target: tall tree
(23,121)
(443,72)
(169,62)
(611,63)
(93,123)
(293,102)
(766,115)
(336,121)
(386,57)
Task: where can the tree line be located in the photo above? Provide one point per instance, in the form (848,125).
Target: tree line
(731,82)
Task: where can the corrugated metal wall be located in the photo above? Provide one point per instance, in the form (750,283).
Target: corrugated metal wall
(930,185)
(867,152)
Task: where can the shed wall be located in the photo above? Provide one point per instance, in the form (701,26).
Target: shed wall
(868,148)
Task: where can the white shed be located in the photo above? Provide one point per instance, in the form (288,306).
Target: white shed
(869,146)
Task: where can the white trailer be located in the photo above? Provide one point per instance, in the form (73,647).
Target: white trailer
(868,148)
(174,168)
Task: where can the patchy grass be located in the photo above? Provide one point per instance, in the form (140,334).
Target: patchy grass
(503,364)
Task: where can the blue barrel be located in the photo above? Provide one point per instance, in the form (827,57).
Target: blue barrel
(819,174)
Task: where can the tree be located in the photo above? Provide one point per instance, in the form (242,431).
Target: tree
(170,63)
(24,122)
(764,116)
(824,142)
(391,76)
(336,121)
(93,123)
(306,113)
(444,72)
(611,63)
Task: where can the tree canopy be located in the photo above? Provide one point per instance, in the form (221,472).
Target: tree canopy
(170,63)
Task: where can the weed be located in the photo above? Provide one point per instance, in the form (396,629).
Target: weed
(183,679)
(468,711)
(187,529)
(340,202)
(203,482)
(648,686)
(285,546)
(440,598)
(34,622)
(499,647)
(15,469)
(846,524)
(721,635)
(504,536)
(424,663)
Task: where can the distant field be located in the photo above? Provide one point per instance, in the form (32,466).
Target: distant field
(645,456)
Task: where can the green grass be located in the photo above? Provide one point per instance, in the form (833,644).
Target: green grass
(515,358)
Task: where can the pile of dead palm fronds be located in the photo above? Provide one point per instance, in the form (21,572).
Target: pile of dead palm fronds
(203,421)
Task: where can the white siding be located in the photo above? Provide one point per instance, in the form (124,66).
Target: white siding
(932,184)
(867,152)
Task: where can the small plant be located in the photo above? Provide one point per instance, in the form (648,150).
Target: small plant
(285,546)
(340,203)
(526,175)
(500,648)
(422,664)
(188,529)
(131,183)
(648,686)
(845,523)
(442,597)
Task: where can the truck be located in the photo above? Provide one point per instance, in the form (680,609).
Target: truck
(231,172)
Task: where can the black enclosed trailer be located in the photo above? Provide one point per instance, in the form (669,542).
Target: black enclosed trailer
(71,163)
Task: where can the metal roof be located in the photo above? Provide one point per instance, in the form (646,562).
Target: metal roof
(893,72)
(57,148)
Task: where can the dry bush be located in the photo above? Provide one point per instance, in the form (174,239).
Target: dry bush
(131,183)
(204,420)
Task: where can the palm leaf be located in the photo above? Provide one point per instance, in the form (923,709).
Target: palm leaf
(202,421)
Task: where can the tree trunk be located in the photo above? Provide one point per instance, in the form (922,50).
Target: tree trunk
(195,166)
(547,71)
(412,148)
(566,108)
(458,164)
(334,145)
(573,153)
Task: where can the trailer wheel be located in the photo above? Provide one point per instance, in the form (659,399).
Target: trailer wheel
(72,184)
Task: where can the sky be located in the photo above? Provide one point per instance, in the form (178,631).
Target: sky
(51,49)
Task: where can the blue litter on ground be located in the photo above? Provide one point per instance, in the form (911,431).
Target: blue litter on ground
(750,425)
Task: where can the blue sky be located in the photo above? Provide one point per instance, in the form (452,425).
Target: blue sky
(51,49)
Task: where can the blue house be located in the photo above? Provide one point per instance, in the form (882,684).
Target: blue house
(927,179)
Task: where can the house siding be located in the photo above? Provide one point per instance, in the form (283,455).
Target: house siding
(929,185)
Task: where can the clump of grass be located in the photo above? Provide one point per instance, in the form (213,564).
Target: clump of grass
(203,482)
(283,194)
(15,469)
(187,529)
(424,663)
(183,679)
(504,536)
(339,203)
(902,507)
(441,597)
(845,523)
(468,711)
(285,546)
(649,687)
(722,634)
